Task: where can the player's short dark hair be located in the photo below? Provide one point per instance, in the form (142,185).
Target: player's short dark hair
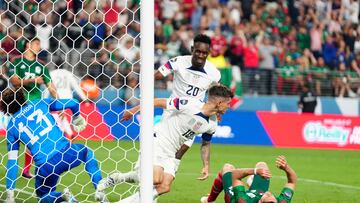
(220,91)
(12,100)
(203,39)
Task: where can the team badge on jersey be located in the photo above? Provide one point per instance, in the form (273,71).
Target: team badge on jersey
(183,101)
(195,78)
(37,69)
(22,66)
(197,125)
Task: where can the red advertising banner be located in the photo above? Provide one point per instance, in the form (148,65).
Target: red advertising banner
(312,131)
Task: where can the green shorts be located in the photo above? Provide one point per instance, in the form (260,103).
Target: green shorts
(260,184)
(233,194)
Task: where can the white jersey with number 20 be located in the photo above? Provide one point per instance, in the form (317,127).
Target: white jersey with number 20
(188,81)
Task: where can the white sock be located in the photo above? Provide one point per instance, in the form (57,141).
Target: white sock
(155,194)
(131,177)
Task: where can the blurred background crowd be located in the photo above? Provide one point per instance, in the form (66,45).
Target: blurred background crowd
(275,46)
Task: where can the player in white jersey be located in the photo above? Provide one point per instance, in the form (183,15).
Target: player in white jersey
(65,84)
(193,75)
(188,117)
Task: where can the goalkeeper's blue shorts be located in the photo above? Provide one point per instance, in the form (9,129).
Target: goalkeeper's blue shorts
(47,175)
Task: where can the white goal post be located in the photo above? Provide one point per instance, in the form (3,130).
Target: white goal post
(146,101)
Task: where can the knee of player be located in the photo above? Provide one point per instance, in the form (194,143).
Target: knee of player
(261,164)
(227,167)
(157,180)
(163,188)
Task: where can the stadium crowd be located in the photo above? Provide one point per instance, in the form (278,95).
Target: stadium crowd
(276,45)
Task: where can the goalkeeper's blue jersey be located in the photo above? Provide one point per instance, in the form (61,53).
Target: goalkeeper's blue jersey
(35,127)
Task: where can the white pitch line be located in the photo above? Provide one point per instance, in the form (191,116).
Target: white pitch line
(301,179)
(323,183)
(21,191)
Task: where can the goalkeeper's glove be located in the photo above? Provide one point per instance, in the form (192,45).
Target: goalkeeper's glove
(10,198)
(79,123)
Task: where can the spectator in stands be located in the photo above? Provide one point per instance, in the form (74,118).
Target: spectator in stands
(173,46)
(303,37)
(267,66)
(316,39)
(330,52)
(3,79)
(251,62)
(99,29)
(287,77)
(319,73)
(342,81)
(308,100)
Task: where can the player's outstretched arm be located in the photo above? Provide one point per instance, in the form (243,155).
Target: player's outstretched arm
(79,123)
(241,173)
(205,156)
(128,114)
(62,104)
(282,164)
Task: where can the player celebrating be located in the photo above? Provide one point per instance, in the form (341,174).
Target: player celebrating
(192,75)
(33,125)
(174,135)
(27,72)
(229,179)
(65,84)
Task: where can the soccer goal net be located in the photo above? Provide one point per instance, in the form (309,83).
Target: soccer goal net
(93,48)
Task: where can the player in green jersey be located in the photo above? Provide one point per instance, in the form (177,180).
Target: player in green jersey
(229,180)
(29,73)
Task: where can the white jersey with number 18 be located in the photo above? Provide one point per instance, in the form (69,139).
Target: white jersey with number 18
(183,124)
(189,81)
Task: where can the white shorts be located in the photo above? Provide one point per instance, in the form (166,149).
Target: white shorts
(165,159)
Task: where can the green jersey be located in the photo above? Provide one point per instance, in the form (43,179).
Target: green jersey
(238,194)
(26,69)
(252,196)
(289,71)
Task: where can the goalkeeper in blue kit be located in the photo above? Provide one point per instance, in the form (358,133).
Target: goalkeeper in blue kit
(33,125)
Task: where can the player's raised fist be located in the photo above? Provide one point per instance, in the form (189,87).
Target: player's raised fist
(263,172)
(281,162)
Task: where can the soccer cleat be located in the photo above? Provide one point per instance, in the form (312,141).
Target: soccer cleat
(27,175)
(100,196)
(110,181)
(68,196)
(204,199)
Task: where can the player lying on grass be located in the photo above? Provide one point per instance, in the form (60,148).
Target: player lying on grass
(33,125)
(189,117)
(229,180)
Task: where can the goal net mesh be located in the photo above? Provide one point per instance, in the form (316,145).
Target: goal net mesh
(97,41)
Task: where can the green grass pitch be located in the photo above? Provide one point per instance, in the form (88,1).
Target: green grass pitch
(323,175)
